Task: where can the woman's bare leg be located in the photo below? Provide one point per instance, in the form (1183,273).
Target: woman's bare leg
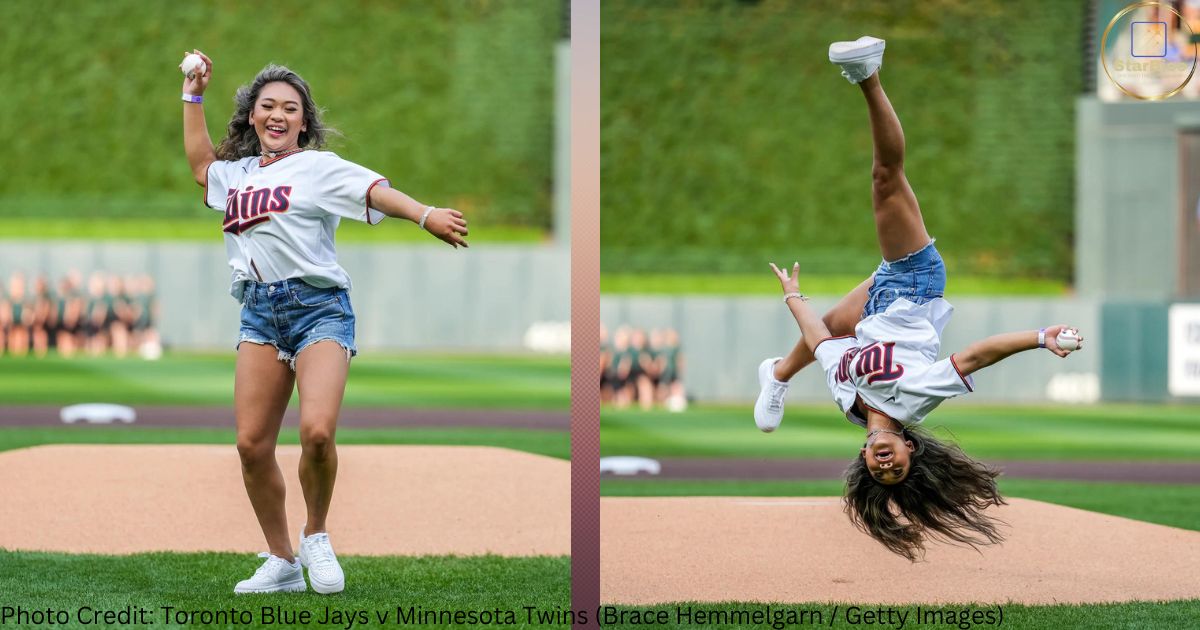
(260,396)
(898,222)
(840,320)
(321,371)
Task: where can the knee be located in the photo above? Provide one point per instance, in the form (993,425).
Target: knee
(255,451)
(316,442)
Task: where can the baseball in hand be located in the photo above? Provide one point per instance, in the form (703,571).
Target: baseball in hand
(192,65)
(1068,339)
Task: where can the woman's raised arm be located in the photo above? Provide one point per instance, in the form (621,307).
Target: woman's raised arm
(196,142)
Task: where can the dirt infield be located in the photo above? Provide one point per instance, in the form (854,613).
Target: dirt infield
(390,500)
(354,417)
(713,549)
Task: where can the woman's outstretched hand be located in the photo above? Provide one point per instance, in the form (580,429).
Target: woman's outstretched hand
(1052,340)
(199,82)
(789,284)
(449,225)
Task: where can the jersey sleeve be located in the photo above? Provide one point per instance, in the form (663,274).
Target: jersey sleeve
(929,387)
(343,189)
(221,175)
(829,353)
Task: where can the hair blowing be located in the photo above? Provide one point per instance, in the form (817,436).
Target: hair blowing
(943,497)
(241,140)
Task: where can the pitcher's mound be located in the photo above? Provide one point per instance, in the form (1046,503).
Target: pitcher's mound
(714,549)
(389,500)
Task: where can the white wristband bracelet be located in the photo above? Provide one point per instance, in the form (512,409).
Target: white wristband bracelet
(794,295)
(428,210)
(1042,338)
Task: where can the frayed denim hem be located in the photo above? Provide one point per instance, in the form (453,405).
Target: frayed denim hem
(283,355)
(350,351)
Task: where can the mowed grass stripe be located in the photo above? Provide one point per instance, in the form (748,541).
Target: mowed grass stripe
(1126,432)
(550,443)
(409,380)
(1165,504)
(204,581)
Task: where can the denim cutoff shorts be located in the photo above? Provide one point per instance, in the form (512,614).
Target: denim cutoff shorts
(918,277)
(292,315)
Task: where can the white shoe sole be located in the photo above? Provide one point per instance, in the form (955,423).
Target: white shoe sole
(327,589)
(860,50)
(766,373)
(295,586)
(323,587)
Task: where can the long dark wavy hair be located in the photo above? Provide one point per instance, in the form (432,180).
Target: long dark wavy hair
(943,497)
(241,140)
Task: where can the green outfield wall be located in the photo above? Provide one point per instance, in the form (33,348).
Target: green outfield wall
(453,101)
(728,139)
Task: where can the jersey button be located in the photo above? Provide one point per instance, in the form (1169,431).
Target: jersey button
(270,289)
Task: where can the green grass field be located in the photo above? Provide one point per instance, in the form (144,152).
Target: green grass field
(408,380)
(1108,432)
(1111,432)
(204,582)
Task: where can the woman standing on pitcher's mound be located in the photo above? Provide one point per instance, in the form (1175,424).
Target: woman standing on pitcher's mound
(282,201)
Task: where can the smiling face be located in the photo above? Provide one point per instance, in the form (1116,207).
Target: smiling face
(887,453)
(278,117)
(888,457)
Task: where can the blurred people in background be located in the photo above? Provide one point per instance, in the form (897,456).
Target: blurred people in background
(642,369)
(669,388)
(95,322)
(621,367)
(45,316)
(68,335)
(119,318)
(20,307)
(145,313)
(640,386)
(115,315)
(606,372)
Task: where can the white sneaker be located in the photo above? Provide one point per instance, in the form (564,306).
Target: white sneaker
(768,409)
(323,569)
(859,59)
(276,575)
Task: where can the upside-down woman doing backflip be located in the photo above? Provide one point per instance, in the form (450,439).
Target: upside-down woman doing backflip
(878,348)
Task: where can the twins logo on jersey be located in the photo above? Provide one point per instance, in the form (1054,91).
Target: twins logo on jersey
(874,361)
(248,208)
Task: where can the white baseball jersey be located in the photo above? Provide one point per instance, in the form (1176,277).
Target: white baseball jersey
(281,214)
(891,362)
